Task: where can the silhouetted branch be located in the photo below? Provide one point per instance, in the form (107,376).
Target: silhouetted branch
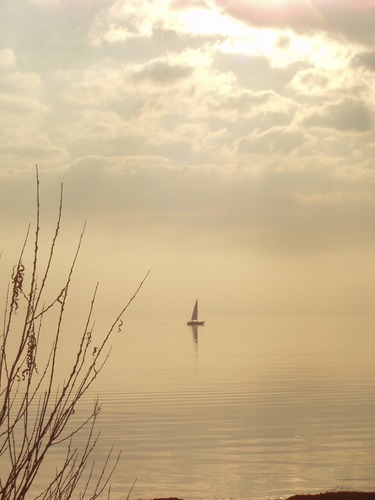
(35,405)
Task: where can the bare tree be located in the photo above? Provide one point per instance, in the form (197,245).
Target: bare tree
(36,405)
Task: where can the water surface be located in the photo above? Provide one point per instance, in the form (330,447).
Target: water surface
(242,409)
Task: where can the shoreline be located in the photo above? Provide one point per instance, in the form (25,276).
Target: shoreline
(329,495)
(336,495)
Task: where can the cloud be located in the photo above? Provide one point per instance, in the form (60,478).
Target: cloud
(259,110)
(276,140)
(21,82)
(254,72)
(301,210)
(22,140)
(364,60)
(23,112)
(314,81)
(13,80)
(124,20)
(162,72)
(7,60)
(17,105)
(207,126)
(348,115)
(350,19)
(67,3)
(24,150)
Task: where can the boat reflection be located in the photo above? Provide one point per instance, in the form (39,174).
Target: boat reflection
(194,330)
(195,336)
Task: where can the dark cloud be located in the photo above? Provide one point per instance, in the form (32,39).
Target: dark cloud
(255,72)
(348,115)
(312,80)
(365,60)
(163,73)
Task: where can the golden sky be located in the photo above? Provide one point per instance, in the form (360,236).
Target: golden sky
(228,145)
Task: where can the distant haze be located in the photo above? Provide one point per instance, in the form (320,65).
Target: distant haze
(228,146)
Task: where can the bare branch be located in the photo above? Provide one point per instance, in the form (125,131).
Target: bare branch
(37,410)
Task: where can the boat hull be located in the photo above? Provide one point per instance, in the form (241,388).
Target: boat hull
(195,323)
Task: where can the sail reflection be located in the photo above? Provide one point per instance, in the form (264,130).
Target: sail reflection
(195,336)
(194,330)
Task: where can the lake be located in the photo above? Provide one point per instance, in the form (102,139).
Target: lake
(244,408)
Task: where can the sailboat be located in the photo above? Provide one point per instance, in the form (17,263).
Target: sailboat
(194,321)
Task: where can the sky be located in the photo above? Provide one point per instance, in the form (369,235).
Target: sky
(228,145)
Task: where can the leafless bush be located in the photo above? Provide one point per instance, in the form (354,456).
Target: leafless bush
(36,405)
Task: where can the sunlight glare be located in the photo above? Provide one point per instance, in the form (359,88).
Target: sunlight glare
(283,47)
(256,42)
(206,22)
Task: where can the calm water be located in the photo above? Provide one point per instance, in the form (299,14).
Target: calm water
(242,409)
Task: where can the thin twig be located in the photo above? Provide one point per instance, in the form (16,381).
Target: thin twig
(131,489)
